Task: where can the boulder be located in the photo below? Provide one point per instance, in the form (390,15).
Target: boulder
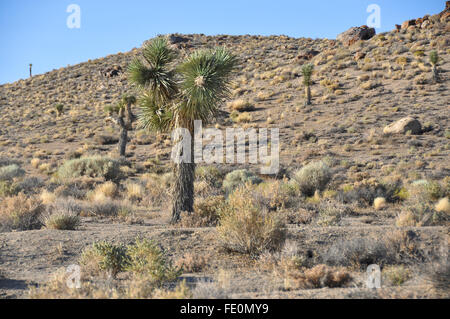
(404,125)
(307,55)
(175,39)
(408,23)
(355,34)
(425,24)
(398,27)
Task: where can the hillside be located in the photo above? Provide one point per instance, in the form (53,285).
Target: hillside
(357,91)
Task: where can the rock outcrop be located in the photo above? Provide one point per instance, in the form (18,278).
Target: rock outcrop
(355,34)
(406,124)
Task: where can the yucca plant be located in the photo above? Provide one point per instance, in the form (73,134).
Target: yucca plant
(174,96)
(434,59)
(125,119)
(31,67)
(307,70)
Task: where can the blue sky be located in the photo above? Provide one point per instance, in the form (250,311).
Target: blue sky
(35,31)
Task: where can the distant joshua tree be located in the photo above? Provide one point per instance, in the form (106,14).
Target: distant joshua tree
(125,119)
(307,71)
(31,66)
(434,59)
(174,97)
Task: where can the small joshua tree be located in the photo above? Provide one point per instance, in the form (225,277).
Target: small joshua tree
(175,96)
(31,66)
(434,58)
(307,71)
(124,119)
(59,109)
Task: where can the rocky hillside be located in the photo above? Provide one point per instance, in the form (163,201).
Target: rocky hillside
(358,89)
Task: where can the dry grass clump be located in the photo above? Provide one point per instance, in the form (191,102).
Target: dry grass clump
(20,212)
(313,177)
(135,191)
(192,263)
(443,205)
(317,277)
(379,203)
(246,228)
(241,105)
(107,190)
(62,214)
(94,167)
(244,117)
(206,212)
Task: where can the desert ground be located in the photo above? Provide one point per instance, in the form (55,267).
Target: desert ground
(352,190)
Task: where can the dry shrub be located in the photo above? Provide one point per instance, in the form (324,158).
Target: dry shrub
(106,208)
(397,275)
(94,167)
(246,228)
(241,106)
(379,203)
(206,212)
(10,171)
(47,197)
(312,177)
(20,212)
(317,277)
(103,192)
(443,206)
(192,263)
(238,178)
(157,188)
(62,214)
(276,194)
(135,191)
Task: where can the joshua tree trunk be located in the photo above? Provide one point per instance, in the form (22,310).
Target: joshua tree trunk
(123,141)
(308,95)
(183,200)
(435,73)
(184,190)
(124,127)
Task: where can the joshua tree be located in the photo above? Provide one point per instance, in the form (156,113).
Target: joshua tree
(175,96)
(59,109)
(307,70)
(434,58)
(31,66)
(125,119)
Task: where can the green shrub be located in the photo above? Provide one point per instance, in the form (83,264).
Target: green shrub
(8,188)
(206,212)
(246,228)
(95,166)
(106,256)
(312,177)
(10,171)
(238,178)
(147,259)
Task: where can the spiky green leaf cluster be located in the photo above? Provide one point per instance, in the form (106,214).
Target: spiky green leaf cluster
(178,95)
(434,57)
(307,71)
